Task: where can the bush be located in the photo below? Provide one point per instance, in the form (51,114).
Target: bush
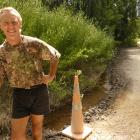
(82,45)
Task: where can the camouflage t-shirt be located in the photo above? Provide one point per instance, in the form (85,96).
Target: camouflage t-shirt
(22,64)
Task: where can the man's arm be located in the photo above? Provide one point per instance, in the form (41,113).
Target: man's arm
(52,55)
(52,72)
(53,68)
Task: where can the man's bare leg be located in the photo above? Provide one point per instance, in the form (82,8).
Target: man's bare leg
(18,127)
(37,126)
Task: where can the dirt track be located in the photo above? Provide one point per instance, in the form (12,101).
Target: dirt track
(122,121)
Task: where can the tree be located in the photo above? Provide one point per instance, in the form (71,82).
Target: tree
(116,17)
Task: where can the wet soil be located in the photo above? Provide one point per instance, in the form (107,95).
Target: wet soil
(63,113)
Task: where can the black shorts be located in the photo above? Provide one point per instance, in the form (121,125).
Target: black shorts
(30,101)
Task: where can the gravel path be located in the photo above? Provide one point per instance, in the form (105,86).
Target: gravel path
(122,121)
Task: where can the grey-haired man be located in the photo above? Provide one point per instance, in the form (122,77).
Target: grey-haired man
(21,63)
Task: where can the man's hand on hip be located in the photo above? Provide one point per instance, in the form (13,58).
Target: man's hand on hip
(47,79)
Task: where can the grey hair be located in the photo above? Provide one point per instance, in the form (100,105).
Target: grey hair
(11,9)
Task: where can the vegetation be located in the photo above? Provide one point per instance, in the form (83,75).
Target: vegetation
(82,30)
(116,17)
(138,27)
(81,44)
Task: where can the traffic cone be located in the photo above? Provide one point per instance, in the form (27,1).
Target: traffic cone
(77,125)
(77,130)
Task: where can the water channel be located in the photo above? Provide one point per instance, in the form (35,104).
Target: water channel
(61,117)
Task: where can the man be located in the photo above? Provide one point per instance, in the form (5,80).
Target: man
(21,63)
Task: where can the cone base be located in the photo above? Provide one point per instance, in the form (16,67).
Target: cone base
(67,132)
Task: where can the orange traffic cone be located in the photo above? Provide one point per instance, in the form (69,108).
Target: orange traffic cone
(77,130)
(77,125)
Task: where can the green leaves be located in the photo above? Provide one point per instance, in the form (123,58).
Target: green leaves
(83,47)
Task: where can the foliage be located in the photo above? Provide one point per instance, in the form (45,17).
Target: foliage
(116,17)
(138,27)
(83,46)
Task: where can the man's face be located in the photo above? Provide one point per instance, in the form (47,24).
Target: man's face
(10,25)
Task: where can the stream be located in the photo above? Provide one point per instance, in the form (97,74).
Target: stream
(61,117)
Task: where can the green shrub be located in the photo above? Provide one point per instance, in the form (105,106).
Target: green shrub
(82,45)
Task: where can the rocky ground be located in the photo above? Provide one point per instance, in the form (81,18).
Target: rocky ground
(122,122)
